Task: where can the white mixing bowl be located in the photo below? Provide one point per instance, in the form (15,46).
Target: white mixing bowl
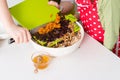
(63,50)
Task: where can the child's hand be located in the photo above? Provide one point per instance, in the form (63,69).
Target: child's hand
(19,34)
(53,3)
(65,7)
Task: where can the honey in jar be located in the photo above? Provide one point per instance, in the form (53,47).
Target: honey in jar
(41,61)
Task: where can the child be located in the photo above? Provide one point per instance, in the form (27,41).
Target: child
(100,19)
(20,34)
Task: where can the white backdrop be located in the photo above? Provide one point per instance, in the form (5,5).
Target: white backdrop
(13,2)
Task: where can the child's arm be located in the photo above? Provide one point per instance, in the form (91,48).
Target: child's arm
(19,34)
(67,6)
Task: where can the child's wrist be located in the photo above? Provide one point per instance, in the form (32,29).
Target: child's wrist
(9,26)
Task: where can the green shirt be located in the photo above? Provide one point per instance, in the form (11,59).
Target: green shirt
(109,12)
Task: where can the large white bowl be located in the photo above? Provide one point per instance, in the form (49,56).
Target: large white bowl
(63,50)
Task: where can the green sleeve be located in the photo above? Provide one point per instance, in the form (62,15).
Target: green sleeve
(109,12)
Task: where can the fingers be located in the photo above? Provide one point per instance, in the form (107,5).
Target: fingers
(21,35)
(16,38)
(26,35)
(53,3)
(25,38)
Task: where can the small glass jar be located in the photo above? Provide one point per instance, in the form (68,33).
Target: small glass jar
(40,60)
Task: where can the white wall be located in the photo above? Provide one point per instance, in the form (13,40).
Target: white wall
(13,2)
